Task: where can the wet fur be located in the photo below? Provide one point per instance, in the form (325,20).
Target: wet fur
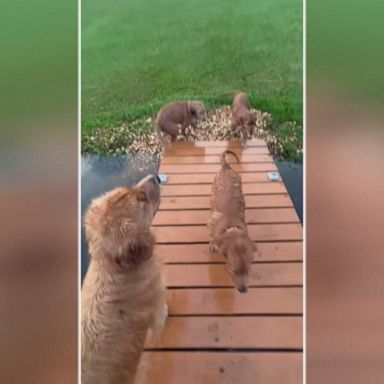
(243,119)
(226,226)
(175,117)
(122,294)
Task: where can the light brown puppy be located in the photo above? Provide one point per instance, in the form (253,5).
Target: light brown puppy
(243,120)
(175,117)
(226,226)
(123,294)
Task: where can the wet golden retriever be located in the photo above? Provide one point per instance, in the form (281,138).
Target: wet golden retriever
(226,225)
(175,117)
(123,294)
(243,119)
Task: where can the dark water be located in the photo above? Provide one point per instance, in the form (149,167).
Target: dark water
(292,174)
(101,174)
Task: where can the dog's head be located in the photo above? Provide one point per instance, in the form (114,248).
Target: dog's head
(117,223)
(197,109)
(238,249)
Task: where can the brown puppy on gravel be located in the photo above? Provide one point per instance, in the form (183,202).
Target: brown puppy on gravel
(175,117)
(243,120)
(226,226)
(123,294)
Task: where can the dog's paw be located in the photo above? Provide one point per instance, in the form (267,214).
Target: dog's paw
(160,318)
(164,314)
(212,247)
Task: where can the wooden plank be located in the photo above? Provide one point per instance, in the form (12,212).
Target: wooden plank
(206,311)
(202,202)
(215,159)
(212,151)
(253,216)
(229,332)
(216,275)
(207,178)
(209,168)
(199,233)
(199,253)
(224,301)
(206,189)
(220,367)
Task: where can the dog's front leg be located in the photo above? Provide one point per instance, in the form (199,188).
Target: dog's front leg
(243,138)
(160,317)
(251,131)
(213,247)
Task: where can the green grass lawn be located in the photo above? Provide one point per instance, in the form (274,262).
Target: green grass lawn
(139,54)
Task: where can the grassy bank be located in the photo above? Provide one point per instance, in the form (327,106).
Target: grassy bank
(139,54)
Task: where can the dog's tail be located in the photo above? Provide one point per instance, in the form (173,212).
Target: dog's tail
(224,163)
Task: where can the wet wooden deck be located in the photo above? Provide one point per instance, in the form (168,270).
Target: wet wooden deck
(215,334)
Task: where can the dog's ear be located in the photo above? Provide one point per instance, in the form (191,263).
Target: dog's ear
(141,195)
(134,254)
(196,109)
(193,109)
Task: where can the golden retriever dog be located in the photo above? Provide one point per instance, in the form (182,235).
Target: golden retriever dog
(175,117)
(226,225)
(123,294)
(243,120)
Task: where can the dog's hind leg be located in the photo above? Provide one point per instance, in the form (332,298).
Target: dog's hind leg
(174,130)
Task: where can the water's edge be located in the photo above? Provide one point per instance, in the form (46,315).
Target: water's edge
(292,174)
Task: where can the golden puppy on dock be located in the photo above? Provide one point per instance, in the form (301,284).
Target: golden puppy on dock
(123,294)
(226,225)
(175,117)
(243,119)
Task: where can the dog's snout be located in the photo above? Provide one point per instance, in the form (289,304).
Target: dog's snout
(154,179)
(149,178)
(242,289)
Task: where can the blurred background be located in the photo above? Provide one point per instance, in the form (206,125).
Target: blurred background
(38,193)
(345,189)
(345,192)
(139,55)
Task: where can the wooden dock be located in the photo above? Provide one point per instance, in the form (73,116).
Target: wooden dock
(215,334)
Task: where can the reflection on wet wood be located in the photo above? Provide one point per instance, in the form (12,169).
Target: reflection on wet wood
(215,334)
